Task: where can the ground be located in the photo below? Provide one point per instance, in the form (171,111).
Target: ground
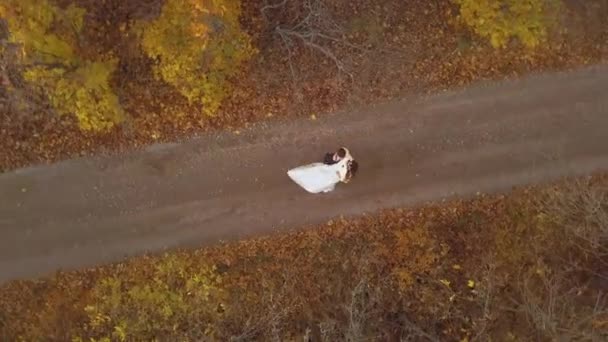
(484,138)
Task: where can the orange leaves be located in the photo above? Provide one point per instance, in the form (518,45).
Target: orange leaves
(199,30)
(414,252)
(416,51)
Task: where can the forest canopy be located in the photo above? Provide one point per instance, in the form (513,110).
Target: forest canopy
(194,46)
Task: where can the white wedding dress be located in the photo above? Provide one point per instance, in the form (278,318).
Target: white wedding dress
(320,177)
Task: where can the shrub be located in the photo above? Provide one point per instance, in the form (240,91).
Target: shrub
(179,303)
(198,46)
(48,36)
(501,20)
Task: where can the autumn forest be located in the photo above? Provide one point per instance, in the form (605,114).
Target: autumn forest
(89,77)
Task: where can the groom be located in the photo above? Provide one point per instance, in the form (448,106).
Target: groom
(332,158)
(352,166)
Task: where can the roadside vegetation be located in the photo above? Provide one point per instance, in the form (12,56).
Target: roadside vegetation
(531,265)
(88,77)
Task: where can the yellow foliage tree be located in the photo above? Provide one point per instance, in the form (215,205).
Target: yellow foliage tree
(198,45)
(177,301)
(501,20)
(49,36)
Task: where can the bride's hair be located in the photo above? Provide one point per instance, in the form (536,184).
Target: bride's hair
(353,167)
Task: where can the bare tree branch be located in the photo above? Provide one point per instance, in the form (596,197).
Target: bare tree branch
(550,305)
(278,307)
(485,290)
(268,6)
(313,29)
(413,331)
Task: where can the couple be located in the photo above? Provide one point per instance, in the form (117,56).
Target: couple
(337,167)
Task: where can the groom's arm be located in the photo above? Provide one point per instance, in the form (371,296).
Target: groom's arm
(329,159)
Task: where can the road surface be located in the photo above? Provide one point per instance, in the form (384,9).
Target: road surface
(488,137)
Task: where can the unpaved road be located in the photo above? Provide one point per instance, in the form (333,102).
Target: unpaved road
(485,138)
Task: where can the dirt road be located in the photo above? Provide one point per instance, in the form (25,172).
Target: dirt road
(485,138)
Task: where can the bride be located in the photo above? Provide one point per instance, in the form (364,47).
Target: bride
(323,177)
